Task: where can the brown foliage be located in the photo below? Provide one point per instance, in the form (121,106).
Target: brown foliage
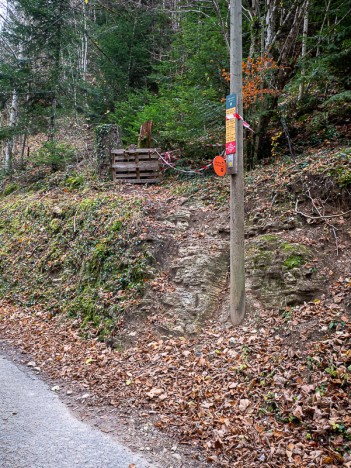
(256,73)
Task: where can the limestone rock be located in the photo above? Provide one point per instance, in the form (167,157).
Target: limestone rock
(198,274)
(180,219)
(279,273)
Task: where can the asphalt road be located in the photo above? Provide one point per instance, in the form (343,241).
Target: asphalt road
(38,431)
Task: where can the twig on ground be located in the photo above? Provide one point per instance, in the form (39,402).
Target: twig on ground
(332,227)
(323,217)
(319,217)
(273,199)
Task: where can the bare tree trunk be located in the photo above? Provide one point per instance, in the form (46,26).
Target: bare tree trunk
(277,27)
(10,140)
(55,77)
(254,27)
(23,147)
(223,26)
(270,23)
(53,119)
(175,15)
(327,8)
(291,40)
(130,63)
(84,61)
(303,50)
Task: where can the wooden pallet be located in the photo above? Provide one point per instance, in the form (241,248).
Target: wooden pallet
(136,166)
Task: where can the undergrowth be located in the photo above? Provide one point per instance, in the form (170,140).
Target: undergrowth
(70,244)
(76,253)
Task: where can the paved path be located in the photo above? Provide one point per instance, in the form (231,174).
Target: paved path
(38,431)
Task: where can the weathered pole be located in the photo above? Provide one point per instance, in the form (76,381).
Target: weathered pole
(237,248)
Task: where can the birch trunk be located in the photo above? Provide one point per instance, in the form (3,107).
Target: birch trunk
(270,23)
(222,25)
(84,62)
(23,147)
(303,50)
(175,15)
(10,140)
(325,19)
(255,25)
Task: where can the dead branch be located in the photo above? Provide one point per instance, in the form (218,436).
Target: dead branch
(306,215)
(322,217)
(332,227)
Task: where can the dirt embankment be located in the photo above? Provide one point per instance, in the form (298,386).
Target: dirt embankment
(274,390)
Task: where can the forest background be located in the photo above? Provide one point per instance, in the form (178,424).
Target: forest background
(112,62)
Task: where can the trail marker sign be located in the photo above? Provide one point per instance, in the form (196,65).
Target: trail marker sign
(219,166)
(230,111)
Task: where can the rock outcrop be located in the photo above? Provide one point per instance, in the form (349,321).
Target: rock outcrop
(280,273)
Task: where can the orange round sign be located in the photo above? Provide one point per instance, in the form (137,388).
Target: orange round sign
(220,166)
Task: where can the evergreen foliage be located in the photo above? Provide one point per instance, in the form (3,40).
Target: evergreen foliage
(54,154)
(130,62)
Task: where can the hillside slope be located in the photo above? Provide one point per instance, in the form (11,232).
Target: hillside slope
(148,267)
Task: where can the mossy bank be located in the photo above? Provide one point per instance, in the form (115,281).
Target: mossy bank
(74,252)
(282,273)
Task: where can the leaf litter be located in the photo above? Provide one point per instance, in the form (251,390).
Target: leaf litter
(245,396)
(272,392)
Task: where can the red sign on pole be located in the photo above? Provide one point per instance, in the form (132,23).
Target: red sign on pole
(220,166)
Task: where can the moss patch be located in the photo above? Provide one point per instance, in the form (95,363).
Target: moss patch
(78,254)
(270,249)
(10,188)
(294,261)
(279,272)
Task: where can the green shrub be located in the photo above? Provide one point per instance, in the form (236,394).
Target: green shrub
(340,98)
(74,181)
(54,154)
(10,188)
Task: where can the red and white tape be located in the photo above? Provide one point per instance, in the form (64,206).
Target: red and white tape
(165,158)
(238,116)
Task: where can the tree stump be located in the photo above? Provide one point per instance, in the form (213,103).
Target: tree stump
(145,135)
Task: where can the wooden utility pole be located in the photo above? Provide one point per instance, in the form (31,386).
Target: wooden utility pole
(237,248)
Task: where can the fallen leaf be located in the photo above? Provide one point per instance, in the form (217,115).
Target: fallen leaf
(244,404)
(298,412)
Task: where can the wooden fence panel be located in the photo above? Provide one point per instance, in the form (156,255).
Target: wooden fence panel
(136,166)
